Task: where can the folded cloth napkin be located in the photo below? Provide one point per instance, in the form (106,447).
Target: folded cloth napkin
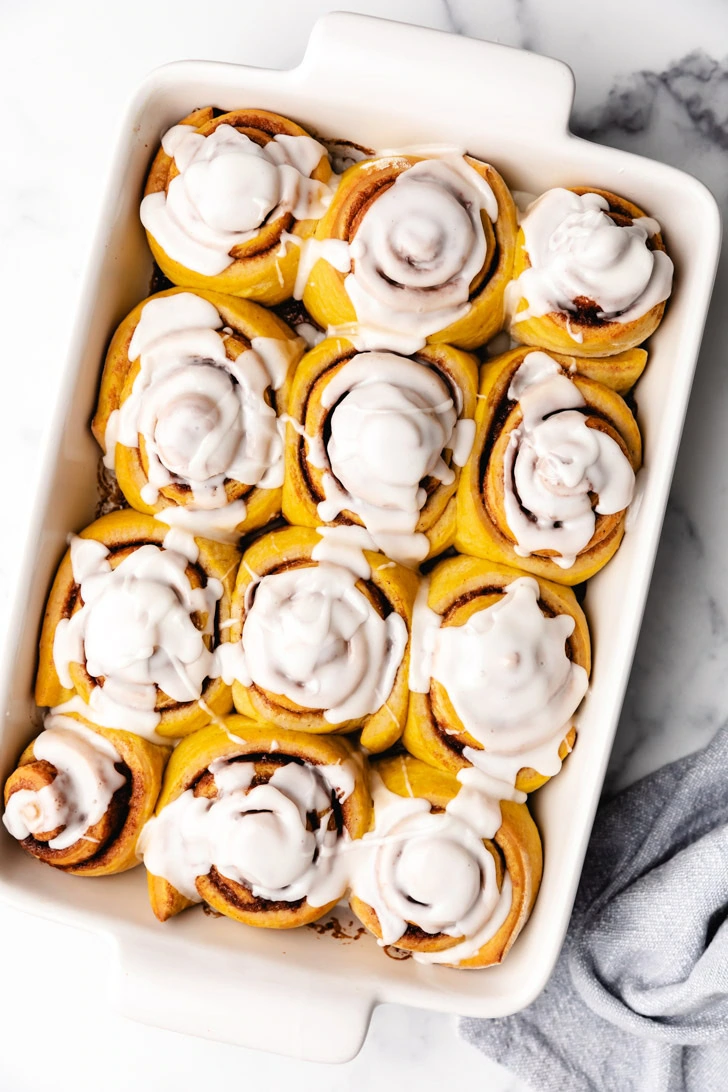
(639,998)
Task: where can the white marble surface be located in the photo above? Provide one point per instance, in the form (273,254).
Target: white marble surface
(652,76)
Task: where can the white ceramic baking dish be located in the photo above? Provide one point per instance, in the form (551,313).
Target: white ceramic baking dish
(379,84)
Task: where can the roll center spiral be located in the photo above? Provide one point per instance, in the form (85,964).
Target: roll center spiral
(313,636)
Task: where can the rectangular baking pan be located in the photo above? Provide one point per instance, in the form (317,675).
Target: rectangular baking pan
(379,84)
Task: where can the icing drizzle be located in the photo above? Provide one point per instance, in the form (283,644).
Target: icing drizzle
(554,462)
(578,253)
(417,250)
(314,637)
(135,630)
(227,189)
(508,676)
(432,870)
(79,795)
(203,418)
(392,423)
(261,837)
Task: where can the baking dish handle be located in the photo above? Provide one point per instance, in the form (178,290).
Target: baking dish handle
(514,86)
(177,990)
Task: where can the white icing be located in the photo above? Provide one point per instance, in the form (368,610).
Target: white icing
(218,524)
(311,334)
(418,248)
(578,337)
(425,624)
(204,418)
(462,440)
(278,355)
(230,664)
(313,636)
(334,251)
(478,801)
(510,681)
(227,189)
(258,837)
(554,461)
(135,630)
(471,945)
(79,795)
(106,713)
(577,251)
(345,546)
(393,421)
(181,542)
(431,870)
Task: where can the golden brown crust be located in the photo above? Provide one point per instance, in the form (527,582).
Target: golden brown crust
(325,295)
(122,532)
(258,270)
(303,486)
(582,332)
(516,849)
(269,747)
(459,587)
(390,587)
(482,528)
(108,846)
(246,321)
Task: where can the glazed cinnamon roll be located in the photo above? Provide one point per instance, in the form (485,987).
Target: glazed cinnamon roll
(413,250)
(228,197)
(552,470)
(377,440)
(189,411)
(255,821)
(591,274)
(445,873)
(320,640)
(81,794)
(499,665)
(133,618)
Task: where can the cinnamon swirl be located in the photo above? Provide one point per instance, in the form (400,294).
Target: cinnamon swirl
(228,198)
(499,665)
(591,274)
(189,415)
(445,873)
(377,440)
(254,820)
(320,640)
(413,250)
(552,470)
(81,794)
(133,618)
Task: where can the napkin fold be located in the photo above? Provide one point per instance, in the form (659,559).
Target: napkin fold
(638,1001)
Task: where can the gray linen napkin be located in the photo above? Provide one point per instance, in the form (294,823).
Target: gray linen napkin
(639,998)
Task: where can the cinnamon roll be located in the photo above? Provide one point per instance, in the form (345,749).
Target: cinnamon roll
(228,198)
(591,274)
(133,618)
(377,440)
(500,662)
(80,796)
(255,821)
(189,412)
(413,250)
(445,873)
(320,635)
(552,470)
